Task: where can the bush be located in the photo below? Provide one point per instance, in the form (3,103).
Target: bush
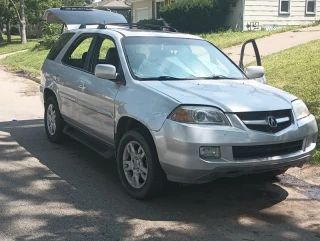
(151,21)
(197,16)
(14,31)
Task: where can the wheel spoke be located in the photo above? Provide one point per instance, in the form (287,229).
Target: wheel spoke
(130,149)
(135,180)
(127,166)
(143,170)
(141,152)
(143,176)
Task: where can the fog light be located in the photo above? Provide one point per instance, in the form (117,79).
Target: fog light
(210,151)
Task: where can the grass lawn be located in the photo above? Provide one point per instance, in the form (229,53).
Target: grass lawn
(16,45)
(297,70)
(229,38)
(29,61)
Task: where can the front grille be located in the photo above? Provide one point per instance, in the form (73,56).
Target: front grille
(263,115)
(248,152)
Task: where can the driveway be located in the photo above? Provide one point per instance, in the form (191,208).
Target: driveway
(275,43)
(68,192)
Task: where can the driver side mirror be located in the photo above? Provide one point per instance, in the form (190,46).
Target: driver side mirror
(105,71)
(255,72)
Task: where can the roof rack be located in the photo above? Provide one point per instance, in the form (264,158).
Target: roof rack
(131,26)
(146,26)
(74,8)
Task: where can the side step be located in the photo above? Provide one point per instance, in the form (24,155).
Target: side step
(97,146)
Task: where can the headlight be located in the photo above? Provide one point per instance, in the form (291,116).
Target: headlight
(199,115)
(300,109)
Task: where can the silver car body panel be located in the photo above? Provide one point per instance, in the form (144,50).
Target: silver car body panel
(103,103)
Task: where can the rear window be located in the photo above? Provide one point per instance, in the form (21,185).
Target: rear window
(58,46)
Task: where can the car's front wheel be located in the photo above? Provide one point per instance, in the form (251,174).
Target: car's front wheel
(53,121)
(138,165)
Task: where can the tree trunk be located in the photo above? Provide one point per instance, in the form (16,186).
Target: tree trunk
(23,24)
(1,38)
(8,27)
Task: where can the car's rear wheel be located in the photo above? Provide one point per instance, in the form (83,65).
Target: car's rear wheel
(53,121)
(138,165)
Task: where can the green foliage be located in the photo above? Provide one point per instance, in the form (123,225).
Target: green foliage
(151,21)
(197,16)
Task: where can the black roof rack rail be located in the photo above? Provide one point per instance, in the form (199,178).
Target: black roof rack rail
(76,8)
(131,26)
(145,26)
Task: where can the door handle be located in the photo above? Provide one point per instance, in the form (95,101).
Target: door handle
(82,86)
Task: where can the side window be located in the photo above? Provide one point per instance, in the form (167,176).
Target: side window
(79,53)
(105,53)
(58,46)
(104,48)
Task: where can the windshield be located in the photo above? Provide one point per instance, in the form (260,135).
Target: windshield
(152,58)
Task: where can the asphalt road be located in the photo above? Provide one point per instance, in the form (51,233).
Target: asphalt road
(68,192)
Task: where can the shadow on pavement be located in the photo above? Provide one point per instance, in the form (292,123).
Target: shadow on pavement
(74,194)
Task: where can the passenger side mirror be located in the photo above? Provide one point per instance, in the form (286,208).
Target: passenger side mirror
(105,71)
(255,72)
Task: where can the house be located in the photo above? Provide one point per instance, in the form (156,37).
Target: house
(246,14)
(117,6)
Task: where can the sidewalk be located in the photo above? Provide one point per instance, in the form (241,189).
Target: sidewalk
(274,43)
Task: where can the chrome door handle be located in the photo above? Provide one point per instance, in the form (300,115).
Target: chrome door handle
(81,86)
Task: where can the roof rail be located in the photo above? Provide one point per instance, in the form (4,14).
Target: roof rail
(146,26)
(76,8)
(131,26)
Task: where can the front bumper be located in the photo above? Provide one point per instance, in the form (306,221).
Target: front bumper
(178,149)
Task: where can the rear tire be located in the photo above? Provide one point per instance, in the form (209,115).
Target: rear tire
(138,166)
(53,121)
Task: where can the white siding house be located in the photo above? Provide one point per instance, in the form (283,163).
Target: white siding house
(274,13)
(246,14)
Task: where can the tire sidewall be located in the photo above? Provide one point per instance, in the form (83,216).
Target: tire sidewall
(145,190)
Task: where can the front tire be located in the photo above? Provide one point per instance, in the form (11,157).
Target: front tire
(138,166)
(53,121)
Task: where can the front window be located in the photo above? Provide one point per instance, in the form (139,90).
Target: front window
(310,6)
(284,6)
(155,58)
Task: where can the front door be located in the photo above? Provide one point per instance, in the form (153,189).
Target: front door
(251,55)
(96,99)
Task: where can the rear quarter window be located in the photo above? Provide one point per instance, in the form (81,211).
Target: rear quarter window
(58,46)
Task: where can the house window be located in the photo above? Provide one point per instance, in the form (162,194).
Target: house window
(159,5)
(284,6)
(310,6)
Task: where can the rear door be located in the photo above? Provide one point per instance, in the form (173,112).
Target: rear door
(96,98)
(71,70)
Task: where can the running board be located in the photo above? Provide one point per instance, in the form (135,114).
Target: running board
(90,142)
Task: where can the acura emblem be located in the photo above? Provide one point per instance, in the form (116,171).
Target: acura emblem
(272,122)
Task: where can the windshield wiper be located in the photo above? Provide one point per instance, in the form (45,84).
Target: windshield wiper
(164,77)
(219,77)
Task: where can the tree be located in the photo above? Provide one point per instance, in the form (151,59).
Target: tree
(22,20)
(7,15)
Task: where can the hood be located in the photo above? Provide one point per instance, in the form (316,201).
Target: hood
(228,95)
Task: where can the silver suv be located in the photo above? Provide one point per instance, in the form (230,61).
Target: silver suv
(170,106)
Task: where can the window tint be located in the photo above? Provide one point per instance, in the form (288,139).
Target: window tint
(58,46)
(77,57)
(105,53)
(105,46)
